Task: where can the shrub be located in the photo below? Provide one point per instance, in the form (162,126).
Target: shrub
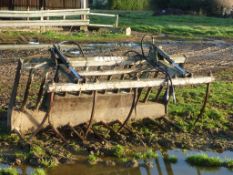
(216,7)
(129,4)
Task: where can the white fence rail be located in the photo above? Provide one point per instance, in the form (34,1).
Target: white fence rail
(69,17)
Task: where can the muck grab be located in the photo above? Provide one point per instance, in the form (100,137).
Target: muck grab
(72,88)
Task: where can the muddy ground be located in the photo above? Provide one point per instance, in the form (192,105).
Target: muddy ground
(202,58)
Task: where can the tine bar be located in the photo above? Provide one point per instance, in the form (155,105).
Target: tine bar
(41,91)
(92,114)
(27,91)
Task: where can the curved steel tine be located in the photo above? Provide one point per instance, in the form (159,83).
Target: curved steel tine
(51,96)
(39,127)
(131,109)
(72,42)
(202,111)
(56,131)
(56,76)
(49,120)
(76,133)
(41,91)
(150,89)
(28,87)
(92,114)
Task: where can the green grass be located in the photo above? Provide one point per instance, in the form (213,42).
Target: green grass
(189,102)
(171,158)
(149,154)
(229,163)
(8,171)
(192,27)
(37,151)
(204,160)
(118,151)
(39,171)
(61,36)
(177,27)
(92,159)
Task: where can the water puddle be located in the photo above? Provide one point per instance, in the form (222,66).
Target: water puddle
(158,167)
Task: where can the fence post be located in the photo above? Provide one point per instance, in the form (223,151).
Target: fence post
(117,21)
(84,16)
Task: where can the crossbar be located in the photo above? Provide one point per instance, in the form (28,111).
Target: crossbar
(111,61)
(70,87)
(42,18)
(34,23)
(43,13)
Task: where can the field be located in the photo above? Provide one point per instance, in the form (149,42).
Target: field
(164,27)
(189,27)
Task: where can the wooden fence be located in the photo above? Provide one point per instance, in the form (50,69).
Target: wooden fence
(69,17)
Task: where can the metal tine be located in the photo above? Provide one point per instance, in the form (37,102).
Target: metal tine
(39,127)
(129,129)
(204,104)
(47,116)
(149,89)
(131,109)
(91,130)
(122,78)
(57,132)
(158,93)
(92,114)
(41,91)
(76,133)
(56,76)
(51,97)
(27,91)
(15,87)
(65,71)
(98,135)
(96,78)
(79,92)
(108,127)
(137,94)
(110,76)
(118,136)
(50,122)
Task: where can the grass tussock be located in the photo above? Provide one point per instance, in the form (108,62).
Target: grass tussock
(39,171)
(204,160)
(8,171)
(149,154)
(171,158)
